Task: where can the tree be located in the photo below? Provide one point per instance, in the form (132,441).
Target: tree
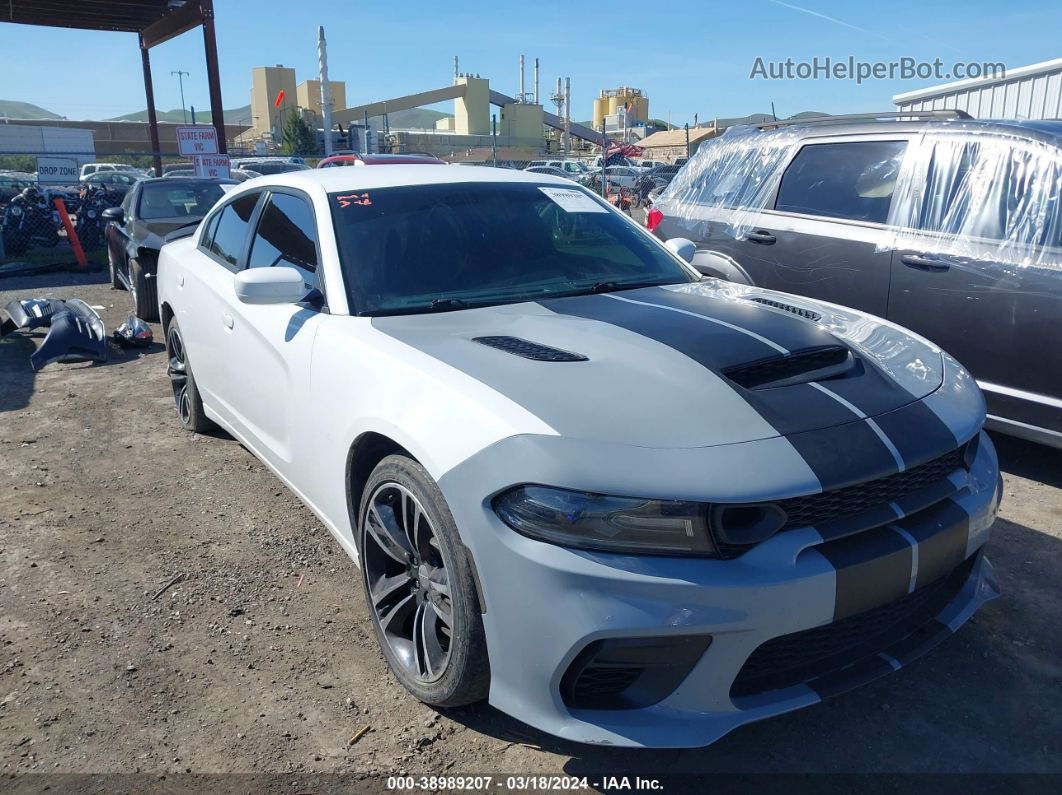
(297,137)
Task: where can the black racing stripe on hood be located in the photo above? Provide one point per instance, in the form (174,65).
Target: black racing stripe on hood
(917,432)
(782,328)
(715,347)
(869,389)
(712,345)
(844,455)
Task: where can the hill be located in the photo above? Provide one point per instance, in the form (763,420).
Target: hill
(24,110)
(202,115)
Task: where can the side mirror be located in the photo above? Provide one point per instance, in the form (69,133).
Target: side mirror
(277,285)
(682,247)
(116,214)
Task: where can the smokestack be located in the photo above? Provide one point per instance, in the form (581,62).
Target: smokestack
(567,114)
(536,81)
(520,96)
(457,73)
(326,90)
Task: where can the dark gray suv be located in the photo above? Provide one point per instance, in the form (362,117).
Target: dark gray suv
(946,225)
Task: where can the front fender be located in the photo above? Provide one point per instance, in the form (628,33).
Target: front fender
(720,266)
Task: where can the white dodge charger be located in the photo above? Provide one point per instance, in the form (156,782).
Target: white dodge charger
(625,504)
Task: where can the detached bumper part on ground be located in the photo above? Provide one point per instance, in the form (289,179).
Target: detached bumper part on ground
(76,330)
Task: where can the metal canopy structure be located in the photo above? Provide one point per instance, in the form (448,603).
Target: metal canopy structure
(154,22)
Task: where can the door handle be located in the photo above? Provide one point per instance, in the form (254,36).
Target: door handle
(924,263)
(226,318)
(762,237)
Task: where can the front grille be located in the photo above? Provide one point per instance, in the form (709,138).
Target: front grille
(838,503)
(768,372)
(795,310)
(817,509)
(800,656)
(530,350)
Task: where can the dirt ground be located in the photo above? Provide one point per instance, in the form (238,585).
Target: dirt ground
(261,657)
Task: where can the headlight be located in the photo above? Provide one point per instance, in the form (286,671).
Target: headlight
(16,211)
(91,213)
(611,524)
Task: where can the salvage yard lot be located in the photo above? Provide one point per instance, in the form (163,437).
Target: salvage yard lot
(261,657)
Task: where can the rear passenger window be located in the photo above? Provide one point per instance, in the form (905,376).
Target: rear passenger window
(843,180)
(230,235)
(287,235)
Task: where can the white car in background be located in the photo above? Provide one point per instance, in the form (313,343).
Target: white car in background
(89,169)
(573,168)
(623,176)
(627,505)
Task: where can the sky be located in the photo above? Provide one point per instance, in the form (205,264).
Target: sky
(690,57)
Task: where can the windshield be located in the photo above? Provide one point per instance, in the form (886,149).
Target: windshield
(179,199)
(441,247)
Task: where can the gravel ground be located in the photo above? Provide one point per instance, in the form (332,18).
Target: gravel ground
(261,658)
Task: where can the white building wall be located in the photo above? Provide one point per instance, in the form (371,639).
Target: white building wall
(1030,92)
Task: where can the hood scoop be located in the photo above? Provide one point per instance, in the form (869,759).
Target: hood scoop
(530,350)
(807,314)
(799,367)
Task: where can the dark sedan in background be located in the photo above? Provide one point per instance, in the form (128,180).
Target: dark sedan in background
(121,181)
(152,209)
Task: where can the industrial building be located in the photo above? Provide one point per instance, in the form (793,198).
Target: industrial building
(668,145)
(122,137)
(622,110)
(521,128)
(1029,92)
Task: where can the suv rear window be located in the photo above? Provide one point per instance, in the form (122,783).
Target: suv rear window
(852,180)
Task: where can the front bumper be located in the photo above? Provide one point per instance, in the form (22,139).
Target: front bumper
(545,604)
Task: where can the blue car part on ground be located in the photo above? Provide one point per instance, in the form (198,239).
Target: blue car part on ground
(76,331)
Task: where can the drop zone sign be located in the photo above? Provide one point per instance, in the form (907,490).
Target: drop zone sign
(201,139)
(211,166)
(57,170)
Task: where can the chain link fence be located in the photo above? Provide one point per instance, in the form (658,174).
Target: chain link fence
(42,225)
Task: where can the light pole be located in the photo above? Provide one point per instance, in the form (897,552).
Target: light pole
(180,80)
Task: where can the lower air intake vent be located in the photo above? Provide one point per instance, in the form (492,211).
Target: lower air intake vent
(796,310)
(812,364)
(530,350)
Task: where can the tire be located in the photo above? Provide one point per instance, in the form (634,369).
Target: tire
(145,292)
(435,567)
(116,283)
(185,394)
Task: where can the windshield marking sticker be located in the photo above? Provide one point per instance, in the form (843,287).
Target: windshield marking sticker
(354,198)
(573,201)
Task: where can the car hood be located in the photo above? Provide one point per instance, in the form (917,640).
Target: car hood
(678,366)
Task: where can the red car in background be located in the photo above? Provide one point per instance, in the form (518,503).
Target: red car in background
(379,160)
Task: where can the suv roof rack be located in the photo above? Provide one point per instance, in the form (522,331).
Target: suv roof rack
(903,115)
